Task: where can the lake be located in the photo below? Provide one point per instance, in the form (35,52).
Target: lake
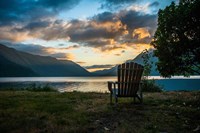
(97,84)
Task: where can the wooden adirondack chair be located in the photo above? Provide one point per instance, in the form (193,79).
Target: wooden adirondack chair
(129,82)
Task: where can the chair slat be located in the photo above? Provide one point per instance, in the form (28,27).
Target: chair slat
(119,78)
(123,79)
(129,76)
(126,78)
(133,79)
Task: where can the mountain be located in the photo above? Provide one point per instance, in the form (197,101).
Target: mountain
(138,59)
(17,63)
(8,68)
(106,72)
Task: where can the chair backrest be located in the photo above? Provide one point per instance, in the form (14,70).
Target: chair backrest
(129,77)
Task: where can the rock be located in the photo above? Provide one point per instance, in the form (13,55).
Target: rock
(97,120)
(106,129)
(197,129)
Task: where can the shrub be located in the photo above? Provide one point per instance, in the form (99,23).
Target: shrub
(151,86)
(39,88)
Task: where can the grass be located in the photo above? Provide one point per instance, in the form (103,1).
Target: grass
(32,87)
(27,111)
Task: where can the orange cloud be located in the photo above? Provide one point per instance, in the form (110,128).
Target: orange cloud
(66,56)
(80,62)
(107,32)
(7,33)
(60,54)
(110,26)
(141,33)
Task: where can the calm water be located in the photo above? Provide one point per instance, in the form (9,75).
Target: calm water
(96,84)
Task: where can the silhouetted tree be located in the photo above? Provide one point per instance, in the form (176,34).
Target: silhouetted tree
(177,39)
(147,84)
(147,63)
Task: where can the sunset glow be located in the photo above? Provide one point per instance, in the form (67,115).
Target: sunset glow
(86,32)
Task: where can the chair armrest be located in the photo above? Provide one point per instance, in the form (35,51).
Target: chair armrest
(112,82)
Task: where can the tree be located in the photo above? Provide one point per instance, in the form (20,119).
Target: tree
(148,85)
(147,63)
(177,39)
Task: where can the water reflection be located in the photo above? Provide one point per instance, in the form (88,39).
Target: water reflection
(60,86)
(58,79)
(94,84)
(85,87)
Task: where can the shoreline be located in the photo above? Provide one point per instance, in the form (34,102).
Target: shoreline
(166,84)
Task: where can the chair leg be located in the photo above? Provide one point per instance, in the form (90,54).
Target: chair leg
(139,98)
(141,95)
(116,100)
(110,97)
(133,99)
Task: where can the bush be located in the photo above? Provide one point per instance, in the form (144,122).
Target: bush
(151,86)
(39,88)
(148,85)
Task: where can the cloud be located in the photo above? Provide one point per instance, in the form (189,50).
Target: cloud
(92,33)
(81,62)
(37,25)
(123,51)
(58,4)
(22,11)
(107,31)
(25,19)
(118,54)
(39,50)
(63,56)
(110,31)
(134,19)
(29,48)
(154,4)
(116,4)
(81,31)
(141,33)
(71,47)
(105,17)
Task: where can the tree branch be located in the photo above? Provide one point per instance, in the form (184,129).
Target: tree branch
(198,72)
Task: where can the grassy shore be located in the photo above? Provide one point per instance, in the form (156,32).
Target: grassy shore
(26,111)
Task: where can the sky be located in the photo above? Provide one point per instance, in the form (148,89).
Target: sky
(96,34)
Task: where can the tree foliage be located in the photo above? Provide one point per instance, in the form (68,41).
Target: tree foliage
(147,63)
(177,39)
(148,85)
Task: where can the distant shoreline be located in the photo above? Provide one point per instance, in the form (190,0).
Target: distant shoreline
(97,84)
(82,79)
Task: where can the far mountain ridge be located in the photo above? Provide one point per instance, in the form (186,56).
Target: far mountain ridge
(17,64)
(36,65)
(138,59)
